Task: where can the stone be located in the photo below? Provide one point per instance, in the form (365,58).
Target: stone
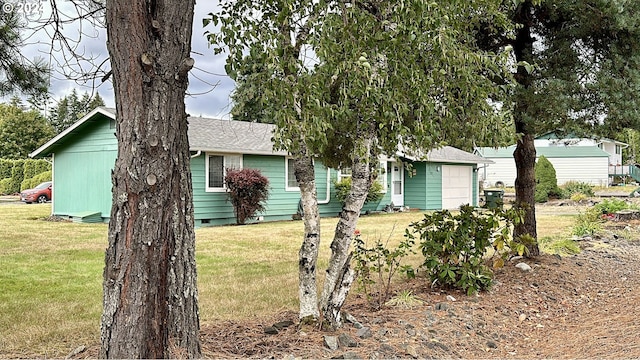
(271,330)
(283,324)
(382,332)
(76,351)
(522,317)
(451,298)
(364,333)
(492,345)
(351,355)
(387,349)
(331,342)
(346,341)
(442,306)
(351,319)
(523,266)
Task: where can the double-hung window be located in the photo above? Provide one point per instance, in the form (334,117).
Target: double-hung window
(216,169)
(292,183)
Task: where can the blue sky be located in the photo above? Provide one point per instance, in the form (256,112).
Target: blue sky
(202,99)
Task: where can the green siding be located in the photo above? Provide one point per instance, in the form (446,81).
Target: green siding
(82,174)
(415,185)
(434,188)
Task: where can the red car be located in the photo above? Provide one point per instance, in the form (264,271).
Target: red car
(40,194)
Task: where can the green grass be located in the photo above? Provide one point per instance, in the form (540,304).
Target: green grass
(51,277)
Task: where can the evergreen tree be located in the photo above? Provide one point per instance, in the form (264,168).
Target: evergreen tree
(71,108)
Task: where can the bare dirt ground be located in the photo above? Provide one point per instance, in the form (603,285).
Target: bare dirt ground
(581,306)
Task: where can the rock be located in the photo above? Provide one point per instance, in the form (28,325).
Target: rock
(522,317)
(350,318)
(382,332)
(364,333)
(331,342)
(411,351)
(516,258)
(346,341)
(451,298)
(76,351)
(351,355)
(271,330)
(523,266)
(492,345)
(283,324)
(442,306)
(387,350)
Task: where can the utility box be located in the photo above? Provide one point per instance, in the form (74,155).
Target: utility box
(493,198)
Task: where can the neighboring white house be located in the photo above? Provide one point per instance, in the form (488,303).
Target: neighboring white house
(584,160)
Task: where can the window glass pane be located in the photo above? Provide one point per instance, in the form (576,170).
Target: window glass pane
(291,176)
(216,171)
(233,162)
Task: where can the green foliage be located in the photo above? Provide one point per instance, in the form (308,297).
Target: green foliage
(588,223)
(611,206)
(5,168)
(546,181)
(343,187)
(577,187)
(17,73)
(19,171)
(376,266)
(71,108)
(577,197)
(559,246)
(247,190)
(6,186)
(34,181)
(33,167)
(21,132)
(454,245)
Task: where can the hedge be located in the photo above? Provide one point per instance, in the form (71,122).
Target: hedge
(36,180)
(14,172)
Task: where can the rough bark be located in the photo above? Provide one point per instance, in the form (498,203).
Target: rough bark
(525,152)
(308,256)
(339,276)
(150,294)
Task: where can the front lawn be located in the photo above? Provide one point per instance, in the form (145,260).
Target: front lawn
(51,278)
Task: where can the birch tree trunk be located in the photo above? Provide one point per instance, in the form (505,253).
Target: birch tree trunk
(150,294)
(308,256)
(339,274)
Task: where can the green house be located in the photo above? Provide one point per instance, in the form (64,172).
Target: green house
(84,155)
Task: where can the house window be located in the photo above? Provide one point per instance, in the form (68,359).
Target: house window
(216,169)
(618,150)
(344,174)
(380,178)
(292,183)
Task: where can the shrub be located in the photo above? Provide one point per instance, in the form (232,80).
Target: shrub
(454,246)
(344,186)
(5,186)
(588,223)
(376,266)
(5,168)
(546,181)
(33,167)
(611,206)
(247,190)
(577,187)
(36,180)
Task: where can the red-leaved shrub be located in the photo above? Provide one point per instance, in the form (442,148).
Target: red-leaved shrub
(247,189)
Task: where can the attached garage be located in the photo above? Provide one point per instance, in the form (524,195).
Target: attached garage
(456,186)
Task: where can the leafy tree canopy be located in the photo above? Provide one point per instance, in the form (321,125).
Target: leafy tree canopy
(18,74)
(21,131)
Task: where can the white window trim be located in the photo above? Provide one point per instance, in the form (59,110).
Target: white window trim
(382,177)
(206,171)
(286,176)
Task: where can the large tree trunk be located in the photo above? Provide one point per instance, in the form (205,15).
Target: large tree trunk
(339,274)
(150,294)
(525,153)
(308,256)
(525,158)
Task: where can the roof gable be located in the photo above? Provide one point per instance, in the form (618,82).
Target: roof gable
(547,151)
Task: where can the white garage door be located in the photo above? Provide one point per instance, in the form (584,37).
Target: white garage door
(456,186)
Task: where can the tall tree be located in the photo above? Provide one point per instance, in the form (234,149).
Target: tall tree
(577,71)
(17,73)
(150,294)
(247,97)
(21,131)
(383,75)
(71,108)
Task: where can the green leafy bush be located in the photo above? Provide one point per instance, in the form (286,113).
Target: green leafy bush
(588,223)
(577,187)
(36,180)
(6,165)
(454,245)
(247,190)
(6,186)
(611,206)
(546,181)
(376,266)
(344,186)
